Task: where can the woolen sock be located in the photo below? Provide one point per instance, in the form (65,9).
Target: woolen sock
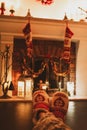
(59,104)
(40,103)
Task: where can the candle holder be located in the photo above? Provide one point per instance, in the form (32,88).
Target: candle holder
(12,12)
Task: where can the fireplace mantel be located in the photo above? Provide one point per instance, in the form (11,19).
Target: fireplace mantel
(41,27)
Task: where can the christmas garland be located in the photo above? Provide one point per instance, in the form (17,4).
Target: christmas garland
(31,72)
(61,74)
(46,2)
(36,74)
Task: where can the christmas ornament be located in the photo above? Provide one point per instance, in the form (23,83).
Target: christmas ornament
(46,2)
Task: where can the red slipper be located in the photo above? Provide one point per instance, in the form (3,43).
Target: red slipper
(59,104)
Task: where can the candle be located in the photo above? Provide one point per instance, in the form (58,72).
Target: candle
(12,11)
(3,5)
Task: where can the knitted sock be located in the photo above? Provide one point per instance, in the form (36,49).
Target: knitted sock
(59,104)
(40,103)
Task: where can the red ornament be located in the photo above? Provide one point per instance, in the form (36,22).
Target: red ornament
(46,2)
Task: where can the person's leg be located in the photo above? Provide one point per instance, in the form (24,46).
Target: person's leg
(59,104)
(48,121)
(43,119)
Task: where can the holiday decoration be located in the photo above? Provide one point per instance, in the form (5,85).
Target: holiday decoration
(2,8)
(28,37)
(59,104)
(12,12)
(67,43)
(46,2)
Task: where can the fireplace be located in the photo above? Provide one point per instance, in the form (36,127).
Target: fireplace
(44,51)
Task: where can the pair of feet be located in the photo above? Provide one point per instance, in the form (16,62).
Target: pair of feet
(42,103)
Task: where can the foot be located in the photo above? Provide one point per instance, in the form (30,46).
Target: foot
(59,104)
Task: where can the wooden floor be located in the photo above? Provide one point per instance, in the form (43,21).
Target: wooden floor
(77,115)
(17,115)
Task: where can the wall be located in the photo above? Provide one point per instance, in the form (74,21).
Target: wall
(11,27)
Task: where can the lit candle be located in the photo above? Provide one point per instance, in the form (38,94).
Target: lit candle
(12,11)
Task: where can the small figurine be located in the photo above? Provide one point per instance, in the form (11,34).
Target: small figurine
(2,8)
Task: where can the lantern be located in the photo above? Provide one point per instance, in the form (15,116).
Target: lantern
(70,88)
(25,87)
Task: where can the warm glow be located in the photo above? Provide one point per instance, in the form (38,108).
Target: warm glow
(71,110)
(25,87)
(5,85)
(21,88)
(21,84)
(44,87)
(29,83)
(70,88)
(56,10)
(29,86)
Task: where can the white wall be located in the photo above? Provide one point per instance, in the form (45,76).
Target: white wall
(56,10)
(81,71)
(80,33)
